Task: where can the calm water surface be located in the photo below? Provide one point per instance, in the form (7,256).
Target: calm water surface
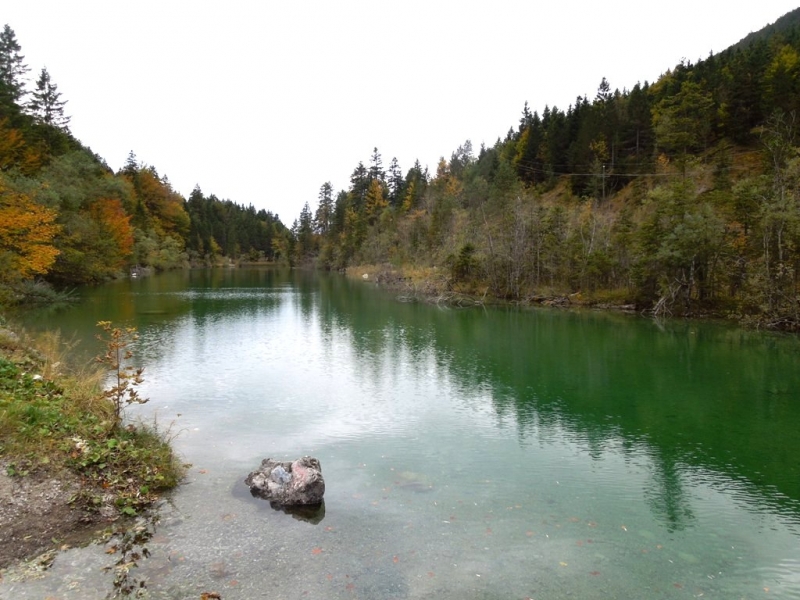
(492,453)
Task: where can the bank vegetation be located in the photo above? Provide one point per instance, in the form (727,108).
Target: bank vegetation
(70,464)
(680,197)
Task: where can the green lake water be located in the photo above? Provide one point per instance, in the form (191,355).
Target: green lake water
(497,453)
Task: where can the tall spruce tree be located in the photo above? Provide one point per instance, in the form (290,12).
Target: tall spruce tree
(12,72)
(359,183)
(46,105)
(304,233)
(324,214)
(376,166)
(396,183)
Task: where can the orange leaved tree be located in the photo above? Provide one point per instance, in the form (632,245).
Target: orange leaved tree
(27,230)
(116,224)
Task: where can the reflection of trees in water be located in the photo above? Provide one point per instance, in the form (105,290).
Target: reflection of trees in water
(602,380)
(666,494)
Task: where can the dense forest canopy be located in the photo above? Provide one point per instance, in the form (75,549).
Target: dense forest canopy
(679,195)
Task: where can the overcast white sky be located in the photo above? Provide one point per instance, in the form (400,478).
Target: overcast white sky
(262,102)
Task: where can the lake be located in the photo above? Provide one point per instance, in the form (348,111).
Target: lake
(467,453)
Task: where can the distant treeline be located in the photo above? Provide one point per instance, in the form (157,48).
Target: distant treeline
(680,196)
(66,217)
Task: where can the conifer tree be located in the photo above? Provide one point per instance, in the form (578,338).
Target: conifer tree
(131,165)
(324,214)
(375,201)
(303,230)
(396,183)
(359,183)
(46,105)
(376,166)
(603,91)
(12,70)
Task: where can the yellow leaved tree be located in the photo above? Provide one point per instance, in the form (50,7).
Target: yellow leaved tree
(27,230)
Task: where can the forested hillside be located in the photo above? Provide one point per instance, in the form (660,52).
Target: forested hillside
(68,219)
(680,196)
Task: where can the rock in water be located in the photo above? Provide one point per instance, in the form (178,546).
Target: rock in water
(280,475)
(288,483)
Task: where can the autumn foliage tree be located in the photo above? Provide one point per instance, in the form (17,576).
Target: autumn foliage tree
(15,153)
(116,226)
(27,231)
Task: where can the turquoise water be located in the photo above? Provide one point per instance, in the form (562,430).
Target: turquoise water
(496,453)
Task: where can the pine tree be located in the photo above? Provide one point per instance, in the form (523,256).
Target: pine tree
(12,70)
(376,167)
(603,91)
(396,183)
(46,105)
(304,233)
(359,183)
(526,119)
(324,214)
(131,167)
(461,159)
(683,122)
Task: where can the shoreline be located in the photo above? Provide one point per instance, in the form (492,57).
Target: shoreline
(66,476)
(38,515)
(432,286)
